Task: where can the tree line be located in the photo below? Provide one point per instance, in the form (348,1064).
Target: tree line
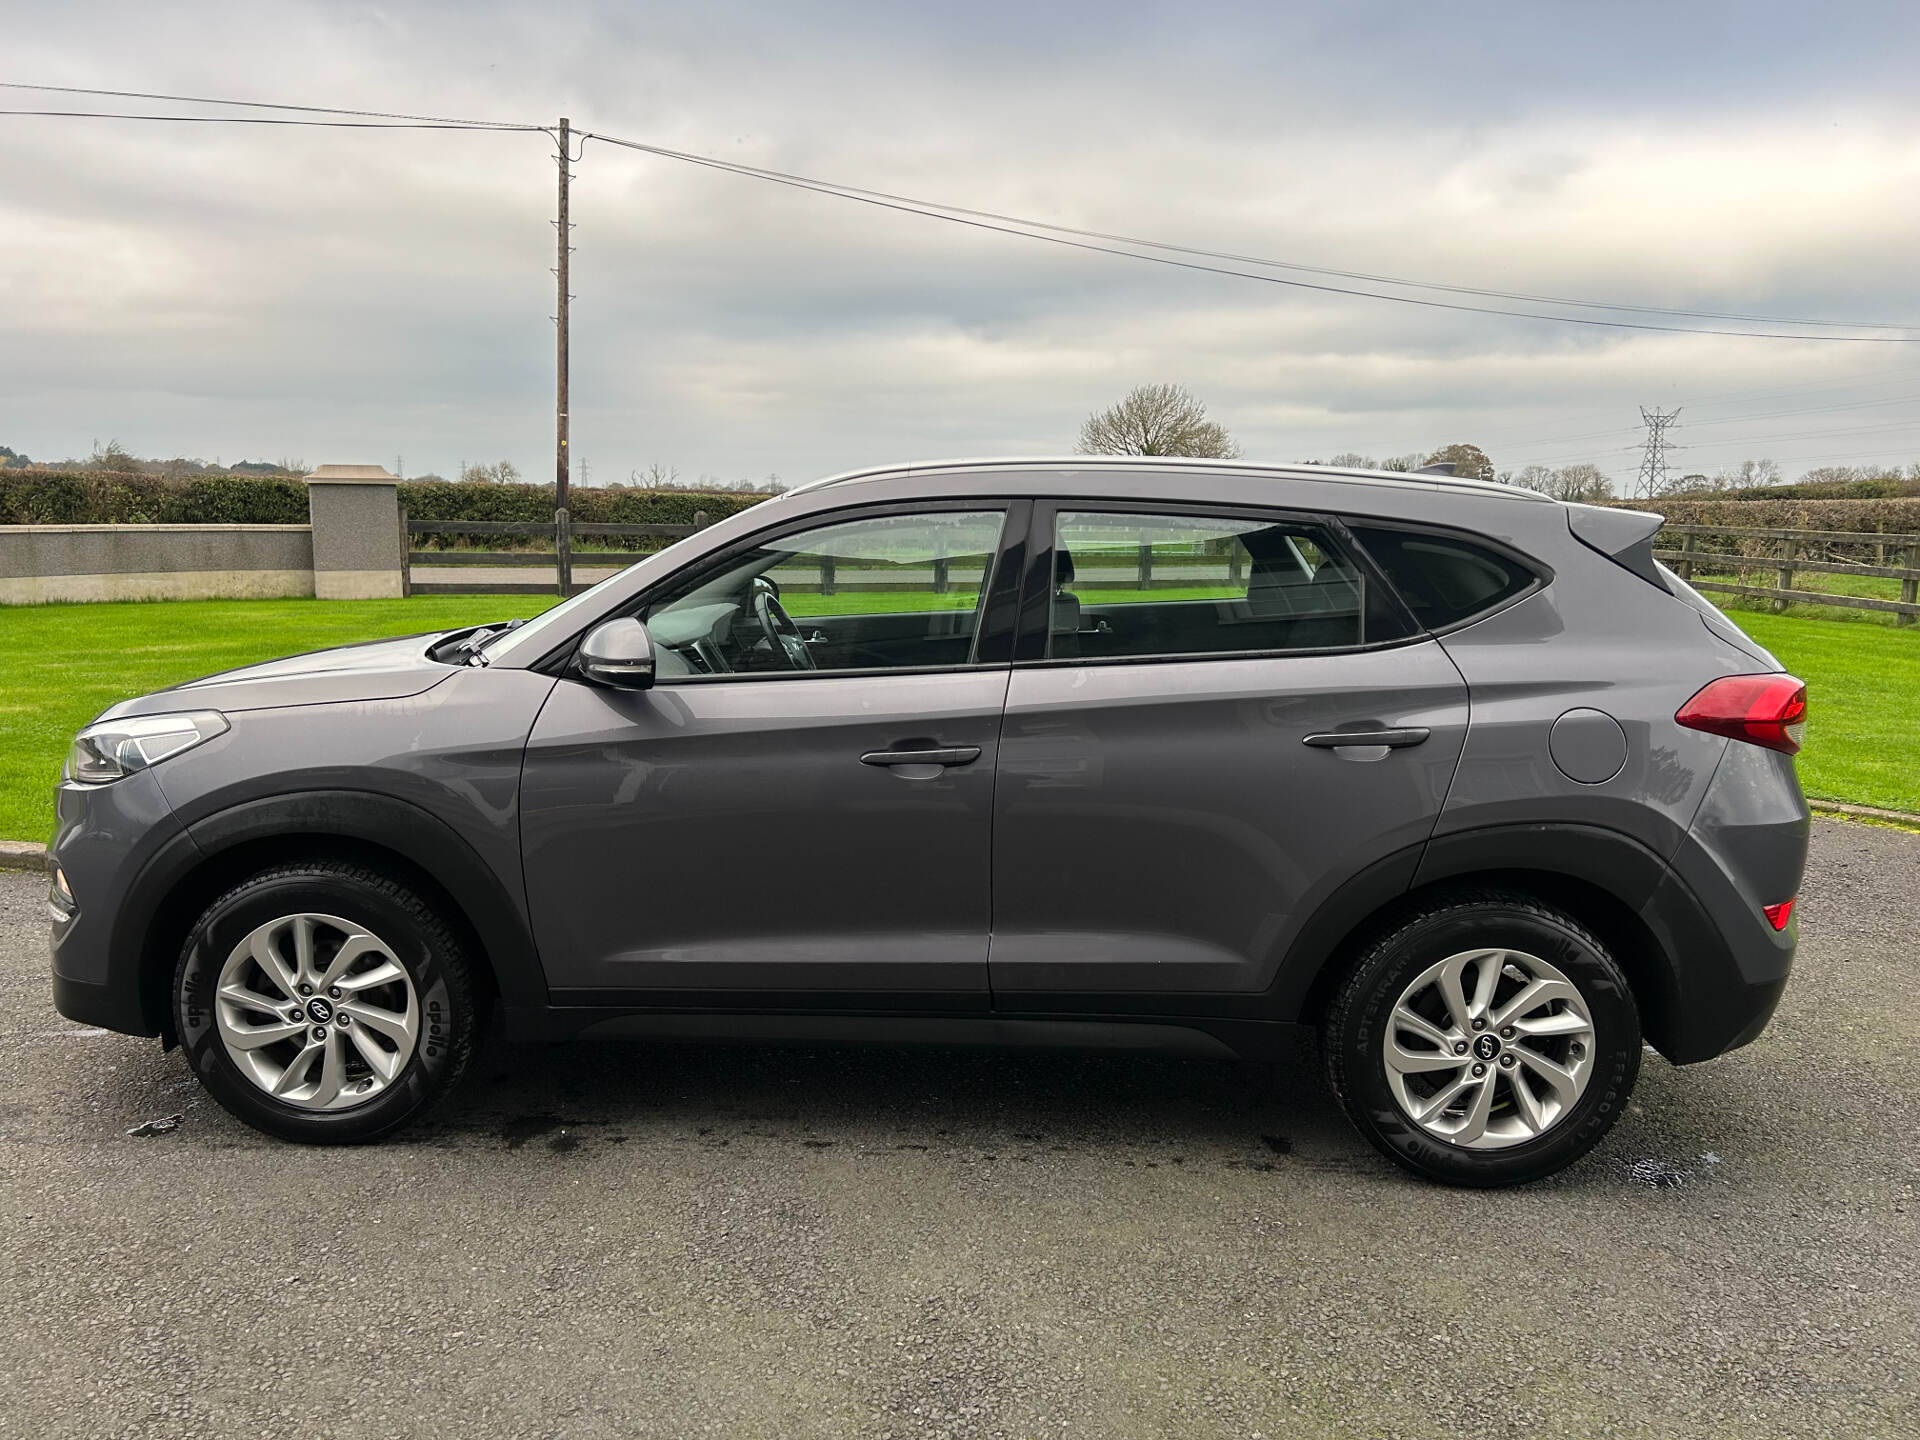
(1169,420)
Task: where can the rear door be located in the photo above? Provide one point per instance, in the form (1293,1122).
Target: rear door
(1214,719)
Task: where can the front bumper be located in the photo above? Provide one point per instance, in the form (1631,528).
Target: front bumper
(119,846)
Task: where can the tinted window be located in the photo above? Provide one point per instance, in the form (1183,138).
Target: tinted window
(1444,580)
(1135,585)
(884,592)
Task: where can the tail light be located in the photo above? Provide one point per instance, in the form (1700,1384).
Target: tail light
(1769,710)
(1779,915)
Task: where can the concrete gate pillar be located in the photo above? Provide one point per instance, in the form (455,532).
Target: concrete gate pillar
(359,547)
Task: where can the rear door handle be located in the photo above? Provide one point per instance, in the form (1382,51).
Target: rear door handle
(952,755)
(1392,739)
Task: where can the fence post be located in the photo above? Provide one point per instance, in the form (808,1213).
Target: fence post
(1236,557)
(1146,566)
(563,551)
(701,520)
(1785,585)
(1910,586)
(940,571)
(1686,555)
(826,574)
(406,554)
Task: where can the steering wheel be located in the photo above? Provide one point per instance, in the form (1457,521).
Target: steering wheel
(783,636)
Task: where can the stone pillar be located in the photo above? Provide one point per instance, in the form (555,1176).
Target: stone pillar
(359,549)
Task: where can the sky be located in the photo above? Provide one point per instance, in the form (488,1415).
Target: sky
(342,295)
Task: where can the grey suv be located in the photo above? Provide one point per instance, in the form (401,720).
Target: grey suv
(1153,754)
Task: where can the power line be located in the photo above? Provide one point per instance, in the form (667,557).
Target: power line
(1029,229)
(265,120)
(262,105)
(1059,235)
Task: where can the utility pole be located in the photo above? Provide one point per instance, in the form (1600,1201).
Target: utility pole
(562,520)
(1653,460)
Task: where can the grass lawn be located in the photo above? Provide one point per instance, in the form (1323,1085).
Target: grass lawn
(1863,684)
(60,665)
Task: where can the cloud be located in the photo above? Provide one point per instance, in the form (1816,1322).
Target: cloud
(350,294)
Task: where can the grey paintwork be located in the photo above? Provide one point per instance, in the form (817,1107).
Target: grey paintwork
(1130,833)
(727,836)
(1163,827)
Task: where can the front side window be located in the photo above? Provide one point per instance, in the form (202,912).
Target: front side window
(1134,585)
(879,593)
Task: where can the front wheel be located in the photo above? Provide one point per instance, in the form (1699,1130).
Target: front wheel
(324,1002)
(1488,1040)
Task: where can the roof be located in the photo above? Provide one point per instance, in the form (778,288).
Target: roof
(1174,462)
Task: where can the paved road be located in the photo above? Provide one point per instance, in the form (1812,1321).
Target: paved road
(625,1241)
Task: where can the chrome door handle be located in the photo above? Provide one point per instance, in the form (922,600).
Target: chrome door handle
(952,755)
(1392,739)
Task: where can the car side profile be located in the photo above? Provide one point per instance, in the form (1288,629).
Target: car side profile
(1150,754)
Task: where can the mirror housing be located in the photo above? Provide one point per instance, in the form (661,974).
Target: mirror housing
(618,654)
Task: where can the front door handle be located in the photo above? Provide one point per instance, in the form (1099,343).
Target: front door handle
(950,755)
(1392,739)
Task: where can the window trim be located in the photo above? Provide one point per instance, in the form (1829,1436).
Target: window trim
(1541,571)
(1007,548)
(1036,609)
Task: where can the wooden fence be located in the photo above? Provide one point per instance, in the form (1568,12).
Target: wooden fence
(1722,549)
(561,558)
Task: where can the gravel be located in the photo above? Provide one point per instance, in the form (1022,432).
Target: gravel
(624,1240)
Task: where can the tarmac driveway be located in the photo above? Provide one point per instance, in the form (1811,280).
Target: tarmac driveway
(619,1240)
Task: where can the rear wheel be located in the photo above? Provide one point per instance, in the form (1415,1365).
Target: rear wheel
(1488,1040)
(324,1002)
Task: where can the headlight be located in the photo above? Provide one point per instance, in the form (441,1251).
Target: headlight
(112,749)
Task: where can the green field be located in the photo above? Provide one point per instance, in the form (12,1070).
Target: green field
(1863,683)
(60,665)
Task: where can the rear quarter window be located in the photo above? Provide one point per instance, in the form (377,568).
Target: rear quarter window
(1445,580)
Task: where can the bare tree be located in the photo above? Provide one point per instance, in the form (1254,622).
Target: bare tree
(1747,475)
(501,472)
(111,456)
(1157,420)
(655,477)
(1585,483)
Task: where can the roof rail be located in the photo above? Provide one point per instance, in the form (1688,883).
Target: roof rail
(1431,475)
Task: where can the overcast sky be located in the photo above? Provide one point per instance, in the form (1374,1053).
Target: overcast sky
(348,295)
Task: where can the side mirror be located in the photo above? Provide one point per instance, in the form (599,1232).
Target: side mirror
(618,653)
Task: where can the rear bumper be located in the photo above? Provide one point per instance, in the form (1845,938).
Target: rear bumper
(1746,850)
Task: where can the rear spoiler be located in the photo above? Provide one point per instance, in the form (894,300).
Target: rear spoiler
(1623,536)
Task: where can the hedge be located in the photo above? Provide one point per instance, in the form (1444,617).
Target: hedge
(43,497)
(50,497)
(460,500)
(1894,516)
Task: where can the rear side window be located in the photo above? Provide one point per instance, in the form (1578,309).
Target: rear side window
(1444,580)
(1132,586)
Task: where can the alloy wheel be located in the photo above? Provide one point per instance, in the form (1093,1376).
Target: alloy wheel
(317,1012)
(1489,1048)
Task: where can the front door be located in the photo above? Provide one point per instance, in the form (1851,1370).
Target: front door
(1175,795)
(799,811)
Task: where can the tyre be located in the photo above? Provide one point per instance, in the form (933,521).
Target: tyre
(323,1002)
(1488,1040)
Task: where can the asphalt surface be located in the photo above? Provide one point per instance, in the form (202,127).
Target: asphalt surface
(622,1240)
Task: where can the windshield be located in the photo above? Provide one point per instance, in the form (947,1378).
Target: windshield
(554,620)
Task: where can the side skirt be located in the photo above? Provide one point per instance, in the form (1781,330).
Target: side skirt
(1196,1038)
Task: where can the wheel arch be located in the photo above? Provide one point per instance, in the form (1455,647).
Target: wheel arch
(220,850)
(1605,880)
